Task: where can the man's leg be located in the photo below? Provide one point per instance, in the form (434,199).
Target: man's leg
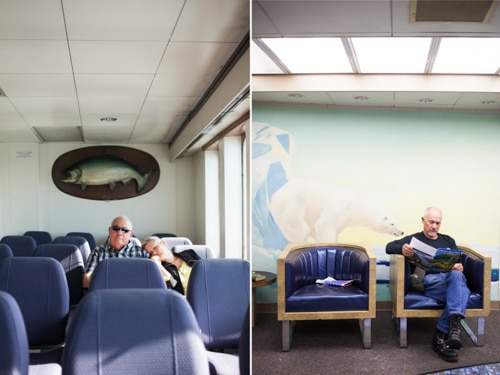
(451,289)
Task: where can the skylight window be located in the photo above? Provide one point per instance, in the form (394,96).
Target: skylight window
(311,55)
(468,56)
(377,55)
(392,55)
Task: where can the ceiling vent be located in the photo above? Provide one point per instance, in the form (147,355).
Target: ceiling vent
(478,11)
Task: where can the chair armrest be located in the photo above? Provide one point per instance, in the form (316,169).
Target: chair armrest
(477,270)
(397,282)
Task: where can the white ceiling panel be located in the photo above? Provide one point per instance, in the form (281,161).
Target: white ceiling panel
(122,19)
(34,56)
(38,85)
(110,104)
(116,57)
(113,85)
(11,119)
(32,19)
(213,21)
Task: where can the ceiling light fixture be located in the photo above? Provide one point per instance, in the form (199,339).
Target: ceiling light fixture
(425,100)
(295,96)
(108,119)
(488,102)
(360,97)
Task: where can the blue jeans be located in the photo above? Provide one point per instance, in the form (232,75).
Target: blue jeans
(451,289)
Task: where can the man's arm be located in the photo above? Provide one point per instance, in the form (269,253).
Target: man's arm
(86,279)
(396,247)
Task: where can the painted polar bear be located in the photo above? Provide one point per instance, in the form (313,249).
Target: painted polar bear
(310,210)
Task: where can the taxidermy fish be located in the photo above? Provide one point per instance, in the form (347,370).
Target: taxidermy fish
(105,170)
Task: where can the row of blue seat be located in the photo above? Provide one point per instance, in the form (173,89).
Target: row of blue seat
(44,304)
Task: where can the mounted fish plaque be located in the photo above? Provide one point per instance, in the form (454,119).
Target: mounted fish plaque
(105,172)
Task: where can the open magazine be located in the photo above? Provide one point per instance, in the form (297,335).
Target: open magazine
(431,259)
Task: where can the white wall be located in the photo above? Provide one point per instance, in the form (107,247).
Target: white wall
(29,200)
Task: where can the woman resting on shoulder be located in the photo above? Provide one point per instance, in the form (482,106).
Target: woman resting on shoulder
(175,267)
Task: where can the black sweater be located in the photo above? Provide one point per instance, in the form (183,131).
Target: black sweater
(443,241)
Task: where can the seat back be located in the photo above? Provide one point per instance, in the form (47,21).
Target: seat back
(134,331)
(203,251)
(41,237)
(70,258)
(119,273)
(14,343)
(175,241)
(38,284)
(78,241)
(219,294)
(21,246)
(87,235)
(160,235)
(244,345)
(5,251)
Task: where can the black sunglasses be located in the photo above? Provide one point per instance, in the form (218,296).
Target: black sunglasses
(116,228)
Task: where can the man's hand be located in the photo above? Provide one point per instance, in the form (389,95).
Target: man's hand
(407,250)
(458,267)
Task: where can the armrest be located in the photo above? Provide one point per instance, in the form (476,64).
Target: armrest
(477,270)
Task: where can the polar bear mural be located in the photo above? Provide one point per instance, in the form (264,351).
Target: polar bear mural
(308,210)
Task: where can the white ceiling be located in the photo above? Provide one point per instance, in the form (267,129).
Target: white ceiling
(65,64)
(369,18)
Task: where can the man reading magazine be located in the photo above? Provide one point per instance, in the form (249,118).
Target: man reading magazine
(450,287)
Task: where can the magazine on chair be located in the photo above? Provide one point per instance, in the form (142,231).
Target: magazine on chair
(431,259)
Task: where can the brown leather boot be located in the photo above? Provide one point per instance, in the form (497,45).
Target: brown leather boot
(453,340)
(439,346)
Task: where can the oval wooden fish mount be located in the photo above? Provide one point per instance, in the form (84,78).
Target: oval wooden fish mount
(105,172)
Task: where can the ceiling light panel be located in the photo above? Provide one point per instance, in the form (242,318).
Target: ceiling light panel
(468,56)
(391,55)
(311,55)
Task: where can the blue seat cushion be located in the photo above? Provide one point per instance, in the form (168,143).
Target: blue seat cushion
(317,297)
(415,300)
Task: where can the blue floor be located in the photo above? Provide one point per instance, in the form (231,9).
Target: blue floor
(488,369)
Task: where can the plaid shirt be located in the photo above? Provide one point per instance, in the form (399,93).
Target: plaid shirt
(131,250)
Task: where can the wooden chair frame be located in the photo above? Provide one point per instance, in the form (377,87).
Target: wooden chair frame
(400,314)
(288,318)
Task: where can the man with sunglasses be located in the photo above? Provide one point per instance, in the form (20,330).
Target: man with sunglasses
(448,287)
(118,245)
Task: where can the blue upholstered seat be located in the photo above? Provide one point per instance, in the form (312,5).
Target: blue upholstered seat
(87,235)
(41,237)
(301,298)
(302,292)
(78,241)
(38,284)
(21,246)
(134,331)
(219,294)
(14,357)
(70,258)
(5,251)
(477,270)
(114,273)
(203,251)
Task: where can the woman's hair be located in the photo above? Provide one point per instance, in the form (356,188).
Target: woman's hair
(149,239)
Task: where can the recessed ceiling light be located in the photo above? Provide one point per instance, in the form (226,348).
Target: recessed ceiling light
(108,119)
(295,96)
(361,97)
(488,102)
(426,100)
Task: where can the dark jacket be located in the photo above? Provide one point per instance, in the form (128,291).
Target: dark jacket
(190,257)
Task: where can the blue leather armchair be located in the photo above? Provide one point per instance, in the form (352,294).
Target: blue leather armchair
(300,298)
(410,304)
